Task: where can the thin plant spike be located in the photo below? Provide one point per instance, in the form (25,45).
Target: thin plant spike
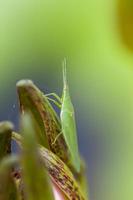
(8,190)
(68,123)
(5,138)
(36,179)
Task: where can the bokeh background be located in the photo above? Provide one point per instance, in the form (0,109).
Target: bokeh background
(96,37)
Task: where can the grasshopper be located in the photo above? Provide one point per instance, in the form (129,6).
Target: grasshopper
(68,124)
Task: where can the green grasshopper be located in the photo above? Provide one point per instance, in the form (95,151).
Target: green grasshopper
(68,125)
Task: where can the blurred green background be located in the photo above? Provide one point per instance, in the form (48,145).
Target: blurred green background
(96,37)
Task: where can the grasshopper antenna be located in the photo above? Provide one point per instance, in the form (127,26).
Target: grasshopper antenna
(65,73)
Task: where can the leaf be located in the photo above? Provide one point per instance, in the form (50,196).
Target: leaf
(29,102)
(36,180)
(5,138)
(8,190)
(59,172)
(69,125)
(46,122)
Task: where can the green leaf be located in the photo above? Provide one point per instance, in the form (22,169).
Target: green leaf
(46,122)
(5,138)
(36,180)
(69,125)
(8,190)
(29,102)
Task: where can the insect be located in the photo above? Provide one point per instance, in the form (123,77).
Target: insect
(68,124)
